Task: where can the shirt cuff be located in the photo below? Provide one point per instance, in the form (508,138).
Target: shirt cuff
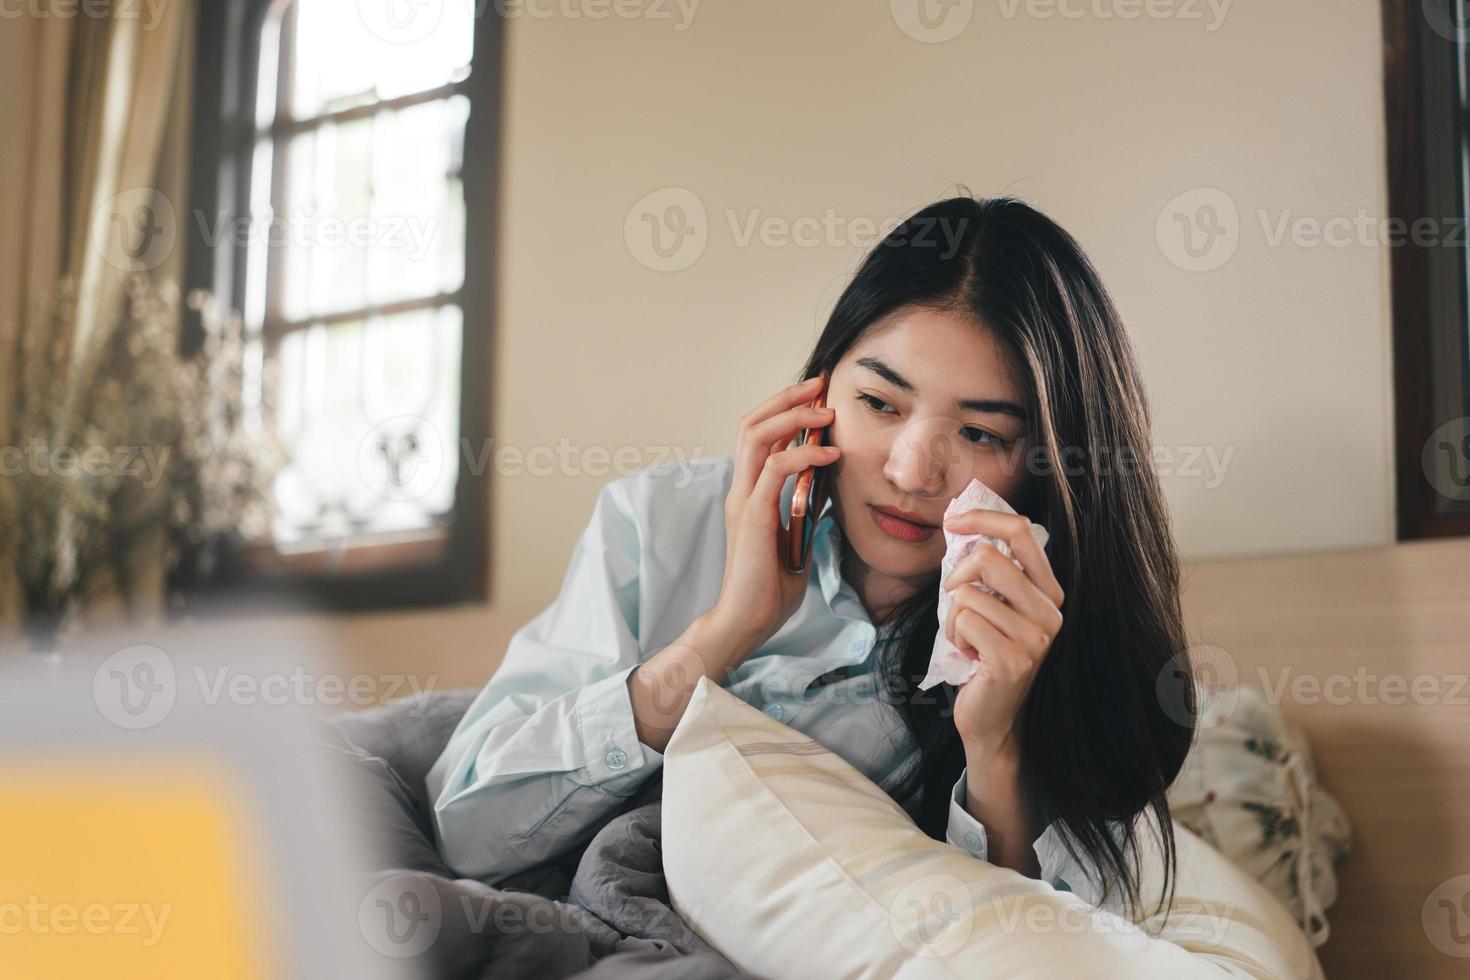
(964,830)
(617,759)
(1058,867)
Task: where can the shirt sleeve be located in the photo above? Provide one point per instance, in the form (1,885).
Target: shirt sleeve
(1057,865)
(548,749)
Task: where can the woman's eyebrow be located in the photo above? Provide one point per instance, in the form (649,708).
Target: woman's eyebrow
(991,406)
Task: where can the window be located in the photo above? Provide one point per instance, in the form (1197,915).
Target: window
(339,146)
(1426,45)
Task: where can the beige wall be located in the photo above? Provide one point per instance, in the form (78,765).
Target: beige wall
(771,109)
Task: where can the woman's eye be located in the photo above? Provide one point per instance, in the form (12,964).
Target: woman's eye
(971,433)
(995,440)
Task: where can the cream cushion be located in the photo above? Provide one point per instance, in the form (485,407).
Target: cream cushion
(792,863)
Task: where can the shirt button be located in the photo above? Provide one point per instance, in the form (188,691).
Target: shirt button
(858,646)
(616,758)
(775,710)
(972,840)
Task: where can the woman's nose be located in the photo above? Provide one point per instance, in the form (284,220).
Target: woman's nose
(925,455)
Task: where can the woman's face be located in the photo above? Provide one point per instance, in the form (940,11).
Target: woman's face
(911,443)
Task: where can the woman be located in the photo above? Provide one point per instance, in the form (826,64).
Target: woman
(975,341)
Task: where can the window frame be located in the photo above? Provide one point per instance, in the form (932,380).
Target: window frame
(1430,309)
(437,566)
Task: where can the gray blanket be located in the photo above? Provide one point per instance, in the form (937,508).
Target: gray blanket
(600,911)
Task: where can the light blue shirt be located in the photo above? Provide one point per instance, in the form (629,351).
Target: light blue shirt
(548,750)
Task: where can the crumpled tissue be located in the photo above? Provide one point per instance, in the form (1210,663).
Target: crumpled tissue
(946,663)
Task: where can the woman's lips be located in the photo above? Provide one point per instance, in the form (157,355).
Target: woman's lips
(897,527)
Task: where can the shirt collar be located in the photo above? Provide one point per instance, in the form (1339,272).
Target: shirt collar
(827,552)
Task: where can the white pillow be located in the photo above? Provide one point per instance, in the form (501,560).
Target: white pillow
(792,863)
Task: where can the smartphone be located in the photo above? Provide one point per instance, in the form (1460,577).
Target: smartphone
(809,496)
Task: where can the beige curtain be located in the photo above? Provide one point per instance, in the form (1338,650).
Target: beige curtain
(93,136)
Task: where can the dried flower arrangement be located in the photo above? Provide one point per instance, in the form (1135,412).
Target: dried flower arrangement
(123,444)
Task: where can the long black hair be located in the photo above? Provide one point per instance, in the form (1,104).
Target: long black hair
(1099,735)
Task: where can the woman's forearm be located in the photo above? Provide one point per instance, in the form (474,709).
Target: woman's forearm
(995,795)
(660,687)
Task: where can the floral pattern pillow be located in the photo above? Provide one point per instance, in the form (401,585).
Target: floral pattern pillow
(1248,788)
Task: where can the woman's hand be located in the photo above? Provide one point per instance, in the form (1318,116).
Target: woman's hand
(1009,637)
(759,593)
